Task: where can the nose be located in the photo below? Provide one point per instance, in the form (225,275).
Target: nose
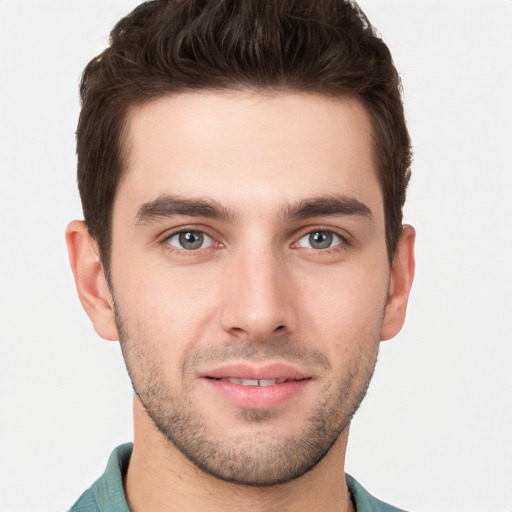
(259,299)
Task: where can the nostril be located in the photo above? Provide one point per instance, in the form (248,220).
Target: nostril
(279,328)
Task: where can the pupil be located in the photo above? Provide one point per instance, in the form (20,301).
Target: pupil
(320,239)
(191,240)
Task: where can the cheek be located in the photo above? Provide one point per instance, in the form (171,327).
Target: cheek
(171,305)
(165,315)
(346,312)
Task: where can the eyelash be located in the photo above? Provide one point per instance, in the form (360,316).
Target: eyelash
(165,242)
(344,241)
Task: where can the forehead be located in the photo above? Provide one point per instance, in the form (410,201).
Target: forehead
(249,150)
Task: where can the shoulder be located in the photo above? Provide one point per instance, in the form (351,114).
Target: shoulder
(107,493)
(364,501)
(86,503)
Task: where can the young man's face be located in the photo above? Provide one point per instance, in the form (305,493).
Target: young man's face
(250,276)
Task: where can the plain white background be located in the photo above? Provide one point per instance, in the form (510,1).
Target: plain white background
(435,432)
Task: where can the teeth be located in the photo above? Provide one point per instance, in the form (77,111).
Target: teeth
(254,382)
(267,382)
(248,382)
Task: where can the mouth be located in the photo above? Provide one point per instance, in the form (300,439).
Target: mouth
(255,375)
(252,387)
(255,382)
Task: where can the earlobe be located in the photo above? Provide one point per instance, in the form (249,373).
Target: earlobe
(402,275)
(90,280)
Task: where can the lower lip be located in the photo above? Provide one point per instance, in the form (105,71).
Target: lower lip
(257,397)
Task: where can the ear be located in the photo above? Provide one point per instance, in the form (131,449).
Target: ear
(402,275)
(90,280)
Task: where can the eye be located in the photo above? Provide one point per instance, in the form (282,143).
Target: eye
(321,239)
(190,240)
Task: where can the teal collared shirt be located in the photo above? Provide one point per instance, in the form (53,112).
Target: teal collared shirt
(107,493)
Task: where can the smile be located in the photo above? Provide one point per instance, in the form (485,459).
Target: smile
(252,387)
(254,382)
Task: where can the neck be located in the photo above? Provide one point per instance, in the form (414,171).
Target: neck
(160,478)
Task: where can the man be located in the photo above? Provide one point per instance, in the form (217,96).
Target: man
(242,167)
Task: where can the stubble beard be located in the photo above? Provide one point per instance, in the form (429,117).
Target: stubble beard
(259,459)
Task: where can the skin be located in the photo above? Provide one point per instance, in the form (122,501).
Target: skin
(256,292)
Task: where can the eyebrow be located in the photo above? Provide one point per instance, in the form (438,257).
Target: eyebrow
(170,205)
(328,206)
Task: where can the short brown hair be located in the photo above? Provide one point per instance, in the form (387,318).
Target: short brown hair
(168,46)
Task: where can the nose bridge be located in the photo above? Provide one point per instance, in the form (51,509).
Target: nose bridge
(258,301)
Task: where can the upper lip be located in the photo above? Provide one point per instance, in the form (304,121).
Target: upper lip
(253,372)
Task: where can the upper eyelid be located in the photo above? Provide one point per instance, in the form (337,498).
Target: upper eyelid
(168,233)
(177,233)
(343,240)
(181,231)
(321,231)
(344,235)
(164,243)
(163,240)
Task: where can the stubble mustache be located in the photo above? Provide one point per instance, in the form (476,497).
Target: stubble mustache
(284,349)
